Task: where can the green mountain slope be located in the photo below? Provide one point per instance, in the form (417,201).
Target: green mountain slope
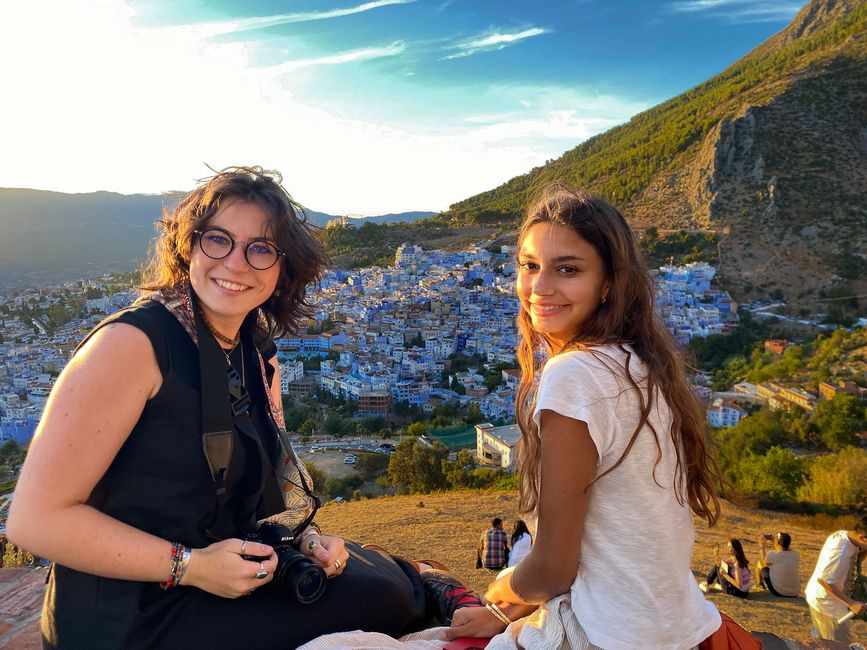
(771,154)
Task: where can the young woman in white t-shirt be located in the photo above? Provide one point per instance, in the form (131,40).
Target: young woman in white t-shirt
(612,457)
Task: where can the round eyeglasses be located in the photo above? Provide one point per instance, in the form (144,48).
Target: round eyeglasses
(259,253)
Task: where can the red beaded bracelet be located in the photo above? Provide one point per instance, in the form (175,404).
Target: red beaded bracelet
(180,558)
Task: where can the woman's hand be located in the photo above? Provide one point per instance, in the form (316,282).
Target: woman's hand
(219,568)
(500,590)
(328,552)
(475,622)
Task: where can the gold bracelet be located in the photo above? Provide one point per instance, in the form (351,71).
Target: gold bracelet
(515,591)
(499,613)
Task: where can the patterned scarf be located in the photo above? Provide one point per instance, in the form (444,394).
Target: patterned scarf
(289,469)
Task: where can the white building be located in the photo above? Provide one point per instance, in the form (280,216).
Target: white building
(495,446)
(724,414)
(289,372)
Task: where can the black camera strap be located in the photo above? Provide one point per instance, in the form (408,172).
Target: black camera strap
(226,409)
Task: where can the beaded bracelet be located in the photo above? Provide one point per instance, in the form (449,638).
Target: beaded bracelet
(179,561)
(499,613)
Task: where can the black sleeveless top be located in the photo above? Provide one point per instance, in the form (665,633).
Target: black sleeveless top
(160,483)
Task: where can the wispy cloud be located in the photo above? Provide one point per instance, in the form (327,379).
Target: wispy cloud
(741,11)
(211,29)
(336,59)
(493,41)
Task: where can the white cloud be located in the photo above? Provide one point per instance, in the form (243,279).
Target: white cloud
(210,29)
(493,41)
(352,56)
(741,11)
(109,106)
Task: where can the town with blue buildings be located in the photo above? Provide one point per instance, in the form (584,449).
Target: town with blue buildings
(381,335)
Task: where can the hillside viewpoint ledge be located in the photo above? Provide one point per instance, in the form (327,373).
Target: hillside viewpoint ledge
(22,590)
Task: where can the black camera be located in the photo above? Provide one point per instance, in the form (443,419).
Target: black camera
(296,575)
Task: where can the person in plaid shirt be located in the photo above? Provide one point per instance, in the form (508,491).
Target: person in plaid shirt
(494,546)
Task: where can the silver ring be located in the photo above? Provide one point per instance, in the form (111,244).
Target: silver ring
(262,573)
(337,564)
(311,546)
(243,547)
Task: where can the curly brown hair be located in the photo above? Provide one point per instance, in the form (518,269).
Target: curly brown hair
(627,317)
(304,262)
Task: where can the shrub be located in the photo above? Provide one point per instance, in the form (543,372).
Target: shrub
(12,556)
(778,474)
(837,479)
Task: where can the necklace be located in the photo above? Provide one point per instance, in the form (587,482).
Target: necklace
(229,361)
(225,339)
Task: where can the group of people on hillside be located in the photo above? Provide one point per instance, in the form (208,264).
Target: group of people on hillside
(835,592)
(497,551)
(777,570)
(163,486)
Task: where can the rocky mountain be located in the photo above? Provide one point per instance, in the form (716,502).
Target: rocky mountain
(770,154)
(51,236)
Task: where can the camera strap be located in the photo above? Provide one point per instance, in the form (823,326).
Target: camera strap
(226,409)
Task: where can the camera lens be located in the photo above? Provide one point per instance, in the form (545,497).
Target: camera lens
(299,577)
(310,585)
(296,576)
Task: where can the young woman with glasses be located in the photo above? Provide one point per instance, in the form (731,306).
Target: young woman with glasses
(143,515)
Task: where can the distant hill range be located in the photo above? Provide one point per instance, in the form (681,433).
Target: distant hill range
(770,154)
(50,236)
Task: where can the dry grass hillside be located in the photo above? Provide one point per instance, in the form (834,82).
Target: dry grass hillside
(448,525)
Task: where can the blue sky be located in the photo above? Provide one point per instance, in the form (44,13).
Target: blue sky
(366,107)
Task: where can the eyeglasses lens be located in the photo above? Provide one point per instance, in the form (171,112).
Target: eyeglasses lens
(261,255)
(216,244)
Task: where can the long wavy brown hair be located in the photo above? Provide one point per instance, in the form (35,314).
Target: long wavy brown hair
(304,262)
(627,317)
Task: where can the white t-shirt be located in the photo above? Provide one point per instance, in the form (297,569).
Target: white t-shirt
(834,564)
(634,587)
(519,549)
(784,567)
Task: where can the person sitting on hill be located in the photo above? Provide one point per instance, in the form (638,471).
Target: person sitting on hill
(732,575)
(837,586)
(493,551)
(522,542)
(612,449)
(163,446)
(779,570)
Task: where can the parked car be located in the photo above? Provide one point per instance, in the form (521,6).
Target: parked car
(350,459)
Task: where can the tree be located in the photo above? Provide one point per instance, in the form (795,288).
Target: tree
(754,434)
(11,455)
(369,466)
(317,475)
(459,472)
(416,341)
(778,474)
(417,467)
(417,429)
(839,420)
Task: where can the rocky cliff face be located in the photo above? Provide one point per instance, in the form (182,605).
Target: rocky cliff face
(771,154)
(783,182)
